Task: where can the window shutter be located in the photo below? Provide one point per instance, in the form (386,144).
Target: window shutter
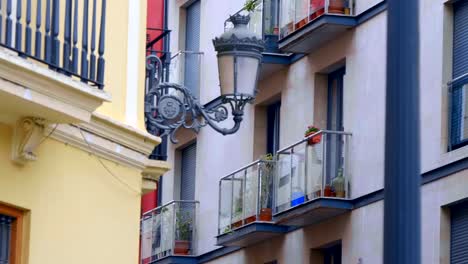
(459,234)
(459,128)
(5,238)
(187,182)
(192,43)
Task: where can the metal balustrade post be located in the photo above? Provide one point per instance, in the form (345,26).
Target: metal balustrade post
(259,194)
(402,204)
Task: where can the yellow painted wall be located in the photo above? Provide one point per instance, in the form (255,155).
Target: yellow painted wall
(116,58)
(142,69)
(78,212)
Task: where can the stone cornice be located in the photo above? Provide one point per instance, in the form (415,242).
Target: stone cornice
(114,141)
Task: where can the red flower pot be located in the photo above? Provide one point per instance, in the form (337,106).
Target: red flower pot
(250,219)
(236,224)
(182,247)
(301,23)
(336,7)
(315,139)
(328,192)
(265,215)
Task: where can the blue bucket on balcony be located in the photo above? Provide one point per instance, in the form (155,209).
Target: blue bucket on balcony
(297,197)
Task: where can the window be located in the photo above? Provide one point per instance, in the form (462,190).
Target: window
(273,127)
(11,222)
(459,234)
(326,255)
(458,88)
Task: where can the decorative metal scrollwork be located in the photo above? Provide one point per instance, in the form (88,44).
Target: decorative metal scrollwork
(171,106)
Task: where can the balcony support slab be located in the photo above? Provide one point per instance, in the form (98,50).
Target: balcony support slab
(251,234)
(313,212)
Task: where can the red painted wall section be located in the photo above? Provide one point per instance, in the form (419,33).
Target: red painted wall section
(155,22)
(149,201)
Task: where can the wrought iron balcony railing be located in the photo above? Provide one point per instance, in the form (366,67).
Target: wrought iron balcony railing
(295,14)
(246,196)
(169,230)
(315,167)
(66,36)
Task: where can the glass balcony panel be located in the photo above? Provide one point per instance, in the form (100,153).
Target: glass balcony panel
(295,14)
(169,230)
(246,196)
(256,20)
(271,17)
(287,16)
(301,10)
(237,200)
(251,194)
(283,181)
(313,168)
(225,205)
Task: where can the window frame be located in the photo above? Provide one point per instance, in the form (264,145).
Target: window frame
(16,232)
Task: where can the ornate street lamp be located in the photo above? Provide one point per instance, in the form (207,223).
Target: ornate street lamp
(170,106)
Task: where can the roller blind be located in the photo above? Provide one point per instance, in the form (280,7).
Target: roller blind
(187,182)
(192,44)
(459,234)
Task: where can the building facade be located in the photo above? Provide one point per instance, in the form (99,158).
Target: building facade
(318,200)
(73,144)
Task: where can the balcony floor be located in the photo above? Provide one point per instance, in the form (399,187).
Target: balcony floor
(316,33)
(313,212)
(177,260)
(251,234)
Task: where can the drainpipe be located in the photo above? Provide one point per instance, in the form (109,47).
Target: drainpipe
(402,204)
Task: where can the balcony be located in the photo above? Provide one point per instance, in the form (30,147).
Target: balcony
(306,25)
(313,182)
(168,233)
(264,21)
(246,205)
(45,72)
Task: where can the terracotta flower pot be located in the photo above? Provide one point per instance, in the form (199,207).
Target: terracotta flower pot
(265,215)
(317,8)
(250,219)
(328,192)
(337,6)
(301,23)
(315,139)
(341,194)
(236,224)
(182,247)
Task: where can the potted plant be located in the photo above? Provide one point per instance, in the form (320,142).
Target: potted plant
(337,6)
(317,8)
(183,233)
(338,184)
(267,173)
(315,139)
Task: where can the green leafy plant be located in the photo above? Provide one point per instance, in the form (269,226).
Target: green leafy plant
(311,130)
(268,170)
(183,225)
(250,5)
